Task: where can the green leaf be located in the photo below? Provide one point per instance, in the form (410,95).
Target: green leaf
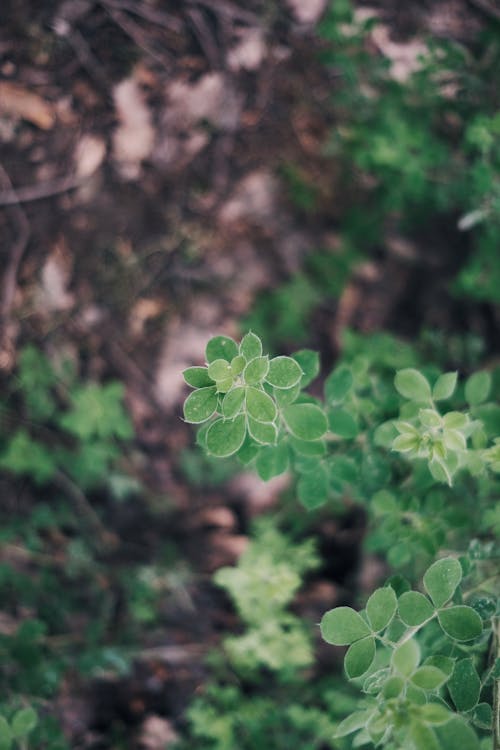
(288,396)
(444,387)
(352,723)
(221,347)
(248,451)
(197,377)
(200,405)
(412,385)
(5,734)
(24,722)
(445,663)
(338,384)
(455,420)
(457,734)
(406,442)
(308,362)
(414,608)
(308,447)
(483,716)
(342,626)
(423,737)
(263,432)
(464,685)
(272,461)
(256,370)
(225,385)
(359,657)
(393,687)
(97,411)
(442,579)
(342,423)
(477,388)
(406,657)
(461,623)
(219,369)
(260,406)
(284,372)
(232,402)
(428,678)
(430,418)
(305,421)
(238,364)
(454,440)
(312,487)
(435,713)
(226,436)
(381,608)
(251,346)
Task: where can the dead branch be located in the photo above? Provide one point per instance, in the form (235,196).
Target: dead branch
(30,193)
(157,17)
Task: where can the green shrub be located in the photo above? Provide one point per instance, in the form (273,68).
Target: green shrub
(422,455)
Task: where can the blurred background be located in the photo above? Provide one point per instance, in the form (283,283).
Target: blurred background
(322,172)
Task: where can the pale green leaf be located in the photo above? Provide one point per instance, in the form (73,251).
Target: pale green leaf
(264,433)
(200,405)
(359,657)
(414,608)
(232,402)
(219,369)
(23,722)
(435,713)
(305,421)
(428,678)
(381,608)
(250,346)
(284,372)
(260,406)
(477,388)
(226,436)
(352,723)
(444,387)
(342,626)
(423,737)
(405,658)
(412,385)
(256,370)
(442,579)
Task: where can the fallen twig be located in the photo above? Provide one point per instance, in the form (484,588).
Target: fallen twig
(30,193)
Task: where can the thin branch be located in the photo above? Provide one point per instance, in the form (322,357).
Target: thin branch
(204,36)
(9,282)
(30,193)
(157,17)
(134,31)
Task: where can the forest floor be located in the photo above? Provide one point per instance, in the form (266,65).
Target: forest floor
(148,153)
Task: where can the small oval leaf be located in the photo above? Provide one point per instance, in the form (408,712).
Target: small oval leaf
(441,580)
(221,347)
(260,406)
(305,421)
(284,372)
(461,623)
(359,657)
(226,436)
(412,385)
(342,626)
(381,608)
(414,608)
(200,405)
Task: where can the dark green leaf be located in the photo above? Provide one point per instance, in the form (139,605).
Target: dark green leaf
(461,623)
(464,685)
(197,377)
(272,461)
(342,423)
(457,735)
(308,361)
(338,384)
(312,487)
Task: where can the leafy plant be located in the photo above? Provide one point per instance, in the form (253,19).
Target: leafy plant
(429,470)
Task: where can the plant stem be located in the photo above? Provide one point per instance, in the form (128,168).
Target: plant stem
(496,686)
